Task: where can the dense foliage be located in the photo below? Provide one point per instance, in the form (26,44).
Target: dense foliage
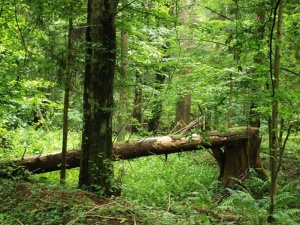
(225,49)
(221,55)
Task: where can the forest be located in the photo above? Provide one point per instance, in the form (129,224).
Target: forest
(154,112)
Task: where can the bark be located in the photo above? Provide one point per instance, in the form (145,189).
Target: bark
(157,104)
(236,160)
(254,116)
(183,109)
(183,105)
(96,169)
(241,152)
(137,104)
(40,118)
(66,104)
(122,112)
(274,148)
(157,107)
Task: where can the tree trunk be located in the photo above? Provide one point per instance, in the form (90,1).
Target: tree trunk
(157,104)
(66,105)
(137,105)
(241,152)
(96,171)
(236,160)
(161,75)
(274,149)
(254,116)
(183,105)
(122,112)
(183,110)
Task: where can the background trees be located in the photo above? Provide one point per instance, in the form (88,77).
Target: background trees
(226,69)
(229,59)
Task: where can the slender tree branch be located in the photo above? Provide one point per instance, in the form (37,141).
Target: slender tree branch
(125,6)
(271,44)
(225,17)
(1,10)
(21,35)
(290,71)
(283,148)
(280,133)
(151,14)
(294,42)
(203,40)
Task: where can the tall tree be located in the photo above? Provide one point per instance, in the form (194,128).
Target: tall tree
(254,117)
(161,75)
(157,103)
(183,105)
(121,128)
(96,169)
(137,104)
(66,104)
(274,147)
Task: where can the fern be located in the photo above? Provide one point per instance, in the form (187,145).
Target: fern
(242,203)
(284,217)
(283,199)
(292,212)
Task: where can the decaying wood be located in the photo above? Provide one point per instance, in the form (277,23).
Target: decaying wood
(233,151)
(181,127)
(235,161)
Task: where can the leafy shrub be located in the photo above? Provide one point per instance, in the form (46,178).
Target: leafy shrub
(152,179)
(5,141)
(13,172)
(252,207)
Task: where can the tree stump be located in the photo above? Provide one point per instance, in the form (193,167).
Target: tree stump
(235,161)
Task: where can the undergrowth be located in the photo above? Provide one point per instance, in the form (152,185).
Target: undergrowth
(28,141)
(182,190)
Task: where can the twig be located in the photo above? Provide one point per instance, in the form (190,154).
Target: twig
(290,71)
(96,207)
(125,6)
(294,42)
(283,148)
(20,222)
(189,126)
(186,128)
(41,117)
(100,206)
(109,217)
(169,203)
(24,152)
(134,220)
(225,17)
(42,200)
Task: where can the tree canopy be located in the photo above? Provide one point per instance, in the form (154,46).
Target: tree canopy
(134,61)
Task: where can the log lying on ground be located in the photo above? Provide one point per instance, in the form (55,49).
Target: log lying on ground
(221,144)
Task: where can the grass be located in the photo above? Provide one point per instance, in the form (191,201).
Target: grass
(181,190)
(28,141)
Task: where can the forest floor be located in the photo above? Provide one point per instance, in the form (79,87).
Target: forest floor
(35,202)
(30,203)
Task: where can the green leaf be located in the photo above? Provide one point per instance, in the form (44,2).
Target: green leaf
(204,218)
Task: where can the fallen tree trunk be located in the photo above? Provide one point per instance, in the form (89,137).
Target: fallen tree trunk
(235,140)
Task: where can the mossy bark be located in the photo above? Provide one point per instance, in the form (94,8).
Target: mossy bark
(96,168)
